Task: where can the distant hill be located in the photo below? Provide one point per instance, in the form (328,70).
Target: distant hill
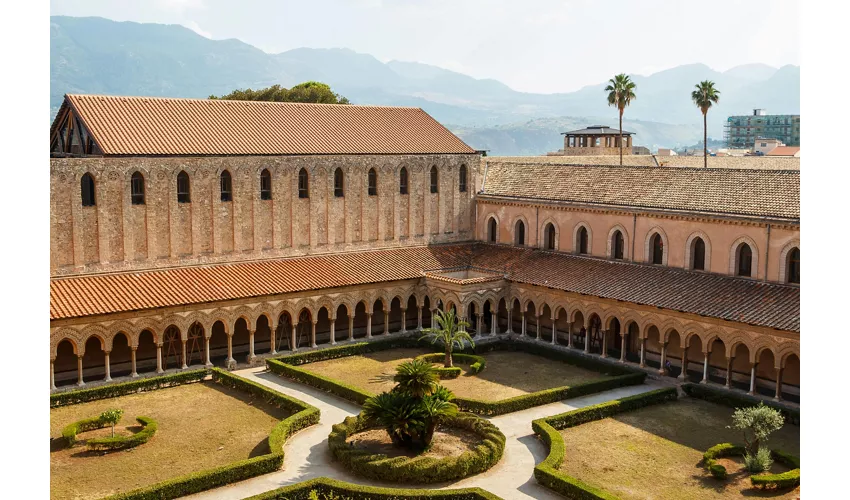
(96,55)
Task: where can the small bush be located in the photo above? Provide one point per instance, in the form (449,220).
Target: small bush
(326,488)
(788,479)
(476,364)
(69,433)
(759,461)
(717,471)
(149,427)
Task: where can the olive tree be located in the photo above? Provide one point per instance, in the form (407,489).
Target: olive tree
(111,417)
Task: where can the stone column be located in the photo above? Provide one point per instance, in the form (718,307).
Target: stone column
(313,333)
(494,323)
(510,329)
(207,362)
(537,327)
(251,356)
(107,378)
(183,345)
(368,325)
(230,361)
(522,315)
(643,353)
(705,369)
(753,370)
(294,346)
(404,321)
(684,374)
(52,379)
(386,322)
(663,368)
(133,373)
(622,348)
(778,396)
(351,326)
(587,338)
(80,382)
(570,334)
(333,330)
(554,333)
(273,339)
(729,372)
(604,343)
(159,357)
(419,319)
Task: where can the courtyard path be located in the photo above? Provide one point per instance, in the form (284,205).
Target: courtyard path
(307,455)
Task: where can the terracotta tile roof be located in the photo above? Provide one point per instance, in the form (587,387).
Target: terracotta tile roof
(173,127)
(733,299)
(555,159)
(784,151)
(741,162)
(753,193)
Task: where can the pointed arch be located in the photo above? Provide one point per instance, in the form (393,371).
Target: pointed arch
(738,257)
(87,190)
(692,251)
(582,241)
(617,248)
(789,263)
(656,248)
(550,235)
(265,184)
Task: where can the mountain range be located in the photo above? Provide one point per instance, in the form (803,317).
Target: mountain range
(96,55)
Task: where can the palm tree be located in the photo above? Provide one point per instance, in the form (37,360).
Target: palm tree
(417,377)
(704,96)
(449,332)
(620,94)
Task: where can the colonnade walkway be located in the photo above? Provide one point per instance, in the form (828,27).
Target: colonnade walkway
(307,455)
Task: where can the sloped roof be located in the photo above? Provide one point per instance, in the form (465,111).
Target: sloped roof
(139,126)
(740,192)
(784,151)
(597,130)
(734,299)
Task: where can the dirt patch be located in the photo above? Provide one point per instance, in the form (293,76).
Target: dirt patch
(446,443)
(200,426)
(507,374)
(656,452)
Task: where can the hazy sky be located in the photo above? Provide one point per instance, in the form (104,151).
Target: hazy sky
(531,45)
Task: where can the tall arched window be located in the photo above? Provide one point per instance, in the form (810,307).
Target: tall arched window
(339,183)
(618,245)
(582,240)
(137,189)
(519,233)
(303,184)
(226,186)
(434,180)
(87,190)
(698,253)
(373,182)
(462,180)
(549,236)
(745,260)
(793,266)
(657,249)
(183,191)
(492,230)
(402,181)
(265,185)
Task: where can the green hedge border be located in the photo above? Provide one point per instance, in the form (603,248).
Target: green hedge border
(70,431)
(737,400)
(547,473)
(476,363)
(348,491)
(419,469)
(304,416)
(787,479)
(718,451)
(289,367)
(149,427)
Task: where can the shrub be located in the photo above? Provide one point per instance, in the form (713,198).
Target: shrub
(131,387)
(547,473)
(149,427)
(419,469)
(69,433)
(112,417)
(788,479)
(717,471)
(759,461)
(757,424)
(324,487)
(476,364)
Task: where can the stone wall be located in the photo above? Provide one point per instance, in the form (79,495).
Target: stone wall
(117,235)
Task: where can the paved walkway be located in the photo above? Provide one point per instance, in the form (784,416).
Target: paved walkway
(307,454)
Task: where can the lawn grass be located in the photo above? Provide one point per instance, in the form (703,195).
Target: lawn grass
(655,452)
(201,425)
(508,373)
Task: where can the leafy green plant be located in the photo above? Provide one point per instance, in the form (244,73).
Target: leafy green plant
(451,331)
(756,423)
(417,377)
(112,417)
(759,461)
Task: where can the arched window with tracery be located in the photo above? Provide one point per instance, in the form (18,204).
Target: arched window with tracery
(303,184)
(519,233)
(434,180)
(618,245)
(745,260)
(582,240)
(698,254)
(87,190)
(265,185)
(402,181)
(462,180)
(657,249)
(226,186)
(549,236)
(793,266)
(183,189)
(137,189)
(373,182)
(339,183)
(492,230)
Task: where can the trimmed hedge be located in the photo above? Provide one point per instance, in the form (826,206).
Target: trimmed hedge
(737,400)
(287,366)
(785,479)
(476,363)
(547,473)
(123,442)
(124,388)
(304,416)
(717,451)
(419,469)
(339,490)
(70,431)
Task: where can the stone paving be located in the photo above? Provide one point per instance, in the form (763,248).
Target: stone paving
(307,454)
